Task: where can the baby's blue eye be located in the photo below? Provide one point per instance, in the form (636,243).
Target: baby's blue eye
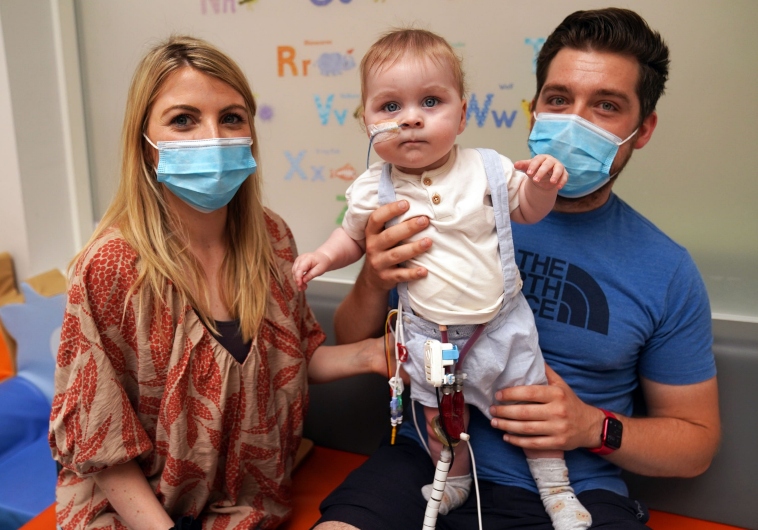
(392,107)
(430,102)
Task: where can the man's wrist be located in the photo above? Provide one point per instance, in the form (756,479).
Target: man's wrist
(610,434)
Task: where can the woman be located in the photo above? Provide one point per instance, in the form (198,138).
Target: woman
(186,349)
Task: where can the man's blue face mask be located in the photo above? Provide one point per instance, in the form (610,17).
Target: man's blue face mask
(586,150)
(205,174)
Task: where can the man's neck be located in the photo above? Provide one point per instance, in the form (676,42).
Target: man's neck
(593,201)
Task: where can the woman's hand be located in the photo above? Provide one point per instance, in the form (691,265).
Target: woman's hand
(330,363)
(546,416)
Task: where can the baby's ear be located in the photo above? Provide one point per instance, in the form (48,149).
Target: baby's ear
(358,114)
(464,108)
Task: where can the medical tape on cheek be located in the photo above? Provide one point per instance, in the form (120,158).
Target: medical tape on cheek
(381,132)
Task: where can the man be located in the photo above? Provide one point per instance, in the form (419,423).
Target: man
(618,305)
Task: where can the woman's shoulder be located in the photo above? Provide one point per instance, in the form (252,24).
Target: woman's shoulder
(278,229)
(108,259)
(280,235)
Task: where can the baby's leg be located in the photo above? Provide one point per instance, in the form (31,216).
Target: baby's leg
(549,471)
(459,481)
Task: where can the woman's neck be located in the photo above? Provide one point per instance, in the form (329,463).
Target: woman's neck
(204,231)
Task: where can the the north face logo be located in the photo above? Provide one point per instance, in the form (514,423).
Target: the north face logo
(557,290)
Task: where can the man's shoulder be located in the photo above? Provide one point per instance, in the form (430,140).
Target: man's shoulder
(642,230)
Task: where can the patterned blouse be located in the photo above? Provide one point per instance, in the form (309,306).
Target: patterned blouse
(213,436)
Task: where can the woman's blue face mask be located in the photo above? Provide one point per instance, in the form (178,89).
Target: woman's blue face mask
(205,174)
(586,150)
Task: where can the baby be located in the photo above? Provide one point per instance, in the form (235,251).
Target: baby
(414,107)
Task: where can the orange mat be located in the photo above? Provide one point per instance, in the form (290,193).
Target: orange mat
(324,469)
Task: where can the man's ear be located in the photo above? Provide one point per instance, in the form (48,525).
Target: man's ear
(462,125)
(646,130)
(532,106)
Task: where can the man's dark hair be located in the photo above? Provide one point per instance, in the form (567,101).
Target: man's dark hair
(618,31)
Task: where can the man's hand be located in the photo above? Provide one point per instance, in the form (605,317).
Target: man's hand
(383,249)
(546,416)
(361,314)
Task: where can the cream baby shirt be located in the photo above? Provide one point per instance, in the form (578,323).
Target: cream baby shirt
(465,282)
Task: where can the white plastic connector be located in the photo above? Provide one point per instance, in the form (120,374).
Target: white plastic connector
(397,385)
(437,356)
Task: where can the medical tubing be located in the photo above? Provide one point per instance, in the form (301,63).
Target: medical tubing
(438,488)
(476,486)
(418,431)
(368,156)
(447,439)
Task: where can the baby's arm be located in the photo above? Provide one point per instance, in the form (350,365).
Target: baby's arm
(340,250)
(537,192)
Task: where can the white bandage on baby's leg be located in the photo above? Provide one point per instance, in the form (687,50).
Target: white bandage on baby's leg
(456,492)
(564,509)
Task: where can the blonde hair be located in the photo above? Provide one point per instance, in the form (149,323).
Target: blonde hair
(416,43)
(155,232)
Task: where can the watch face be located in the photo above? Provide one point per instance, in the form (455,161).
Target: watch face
(612,433)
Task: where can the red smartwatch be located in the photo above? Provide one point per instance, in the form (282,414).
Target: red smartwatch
(610,436)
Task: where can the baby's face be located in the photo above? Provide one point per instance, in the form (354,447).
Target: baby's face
(424,101)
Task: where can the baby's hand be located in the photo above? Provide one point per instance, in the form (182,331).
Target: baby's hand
(545,171)
(308,266)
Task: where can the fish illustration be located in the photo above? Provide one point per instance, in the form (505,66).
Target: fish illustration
(346,172)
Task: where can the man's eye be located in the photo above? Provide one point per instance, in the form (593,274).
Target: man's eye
(558,101)
(392,107)
(430,102)
(607,106)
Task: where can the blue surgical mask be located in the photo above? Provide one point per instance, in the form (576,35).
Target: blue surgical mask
(586,150)
(205,174)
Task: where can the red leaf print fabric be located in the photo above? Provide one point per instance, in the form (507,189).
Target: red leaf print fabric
(217,438)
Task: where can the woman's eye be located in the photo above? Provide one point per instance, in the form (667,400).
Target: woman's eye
(392,107)
(558,100)
(430,102)
(182,120)
(232,119)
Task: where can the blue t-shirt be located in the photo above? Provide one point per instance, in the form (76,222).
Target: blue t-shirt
(614,298)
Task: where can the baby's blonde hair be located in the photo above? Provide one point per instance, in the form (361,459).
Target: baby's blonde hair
(149,225)
(416,43)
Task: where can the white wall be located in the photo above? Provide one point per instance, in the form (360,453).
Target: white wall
(695,179)
(12,226)
(45,207)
